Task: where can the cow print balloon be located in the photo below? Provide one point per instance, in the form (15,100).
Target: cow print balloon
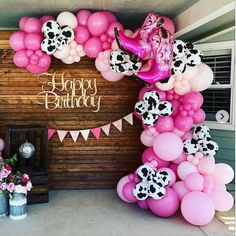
(179,48)
(201,132)
(209,148)
(191,146)
(178,66)
(193,57)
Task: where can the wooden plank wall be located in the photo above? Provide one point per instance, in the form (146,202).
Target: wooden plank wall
(91,164)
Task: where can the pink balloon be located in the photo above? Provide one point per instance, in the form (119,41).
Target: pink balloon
(97,23)
(143,204)
(199,116)
(2,144)
(82,17)
(164,124)
(165,207)
(195,99)
(171,174)
(206,166)
(22,22)
(101,66)
(208,183)
(169,24)
(180,189)
(68,60)
(128,192)
(110,16)
(92,47)
(168,146)
(183,123)
(122,182)
(143,91)
(217,187)
(63,53)
(33,41)
(20,59)
(46,18)
(81,34)
(189,72)
(110,30)
(175,104)
(174,167)
(44,61)
(180,133)
(181,158)
(186,168)
(128,33)
(149,155)
(106,45)
(32,25)
(223,174)
(197,208)
(222,199)
(188,134)
(17,41)
(112,76)
(194,182)
(202,79)
(146,138)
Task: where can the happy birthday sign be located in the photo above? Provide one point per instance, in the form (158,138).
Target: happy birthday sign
(64,91)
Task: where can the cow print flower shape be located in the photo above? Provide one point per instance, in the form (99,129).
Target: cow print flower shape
(152,183)
(122,62)
(185,55)
(151,108)
(201,142)
(56,37)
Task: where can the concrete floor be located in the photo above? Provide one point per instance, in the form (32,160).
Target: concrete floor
(101,212)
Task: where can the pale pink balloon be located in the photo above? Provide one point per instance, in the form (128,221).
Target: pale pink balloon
(120,187)
(206,166)
(180,189)
(181,158)
(194,182)
(208,183)
(186,168)
(112,76)
(68,60)
(169,24)
(32,25)
(199,116)
(222,199)
(63,53)
(101,66)
(110,16)
(183,123)
(188,134)
(143,204)
(217,187)
(67,18)
(20,59)
(167,146)
(114,45)
(82,17)
(33,41)
(180,133)
(2,145)
(22,22)
(92,47)
(202,79)
(17,41)
(97,23)
(184,88)
(189,72)
(171,174)
(197,208)
(128,192)
(146,138)
(110,30)
(46,18)
(164,124)
(223,174)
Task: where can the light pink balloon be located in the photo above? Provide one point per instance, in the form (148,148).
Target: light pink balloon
(112,76)
(186,168)
(202,79)
(110,16)
(188,134)
(199,116)
(81,34)
(206,166)
(2,144)
(120,187)
(46,18)
(101,66)
(33,41)
(92,47)
(82,17)
(193,98)
(110,30)
(217,187)
(164,124)
(223,174)
(63,53)
(128,33)
(165,207)
(128,192)
(169,24)
(67,18)
(20,59)
(183,123)
(68,60)
(166,86)
(180,189)
(32,25)
(180,133)
(97,23)
(208,183)
(22,22)
(143,204)
(17,41)
(147,139)
(181,158)
(194,182)
(197,208)
(168,146)
(184,88)
(171,174)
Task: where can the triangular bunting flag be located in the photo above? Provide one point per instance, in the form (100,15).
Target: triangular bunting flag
(85,133)
(74,135)
(96,132)
(51,132)
(118,124)
(129,118)
(106,129)
(61,134)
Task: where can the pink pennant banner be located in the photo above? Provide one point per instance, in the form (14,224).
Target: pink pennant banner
(61,134)
(51,132)
(129,118)
(74,135)
(118,124)
(96,132)
(106,129)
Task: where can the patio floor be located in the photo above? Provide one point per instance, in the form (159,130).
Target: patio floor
(101,212)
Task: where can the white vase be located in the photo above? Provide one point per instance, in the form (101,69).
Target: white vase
(3,204)
(18,206)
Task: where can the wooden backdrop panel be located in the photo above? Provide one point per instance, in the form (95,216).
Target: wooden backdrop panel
(92,164)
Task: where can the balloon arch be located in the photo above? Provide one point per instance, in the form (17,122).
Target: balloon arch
(179,168)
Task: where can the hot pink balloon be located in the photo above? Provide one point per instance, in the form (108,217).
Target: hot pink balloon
(22,22)
(20,59)
(122,182)
(206,166)
(223,174)
(180,189)
(97,23)
(164,124)
(143,205)
(44,61)
(33,41)
(17,41)
(202,79)
(143,91)
(82,17)
(171,174)
(169,24)
(183,123)
(194,182)
(128,192)
(46,18)
(81,34)
(174,167)
(110,16)
(32,25)
(186,168)
(199,116)
(92,47)
(111,27)
(193,98)
(165,207)
(112,76)
(197,208)
(175,104)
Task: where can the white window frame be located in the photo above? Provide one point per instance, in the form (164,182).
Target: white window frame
(219,46)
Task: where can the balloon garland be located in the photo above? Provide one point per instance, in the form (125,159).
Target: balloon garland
(179,169)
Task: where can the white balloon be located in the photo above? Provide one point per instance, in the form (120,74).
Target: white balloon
(67,18)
